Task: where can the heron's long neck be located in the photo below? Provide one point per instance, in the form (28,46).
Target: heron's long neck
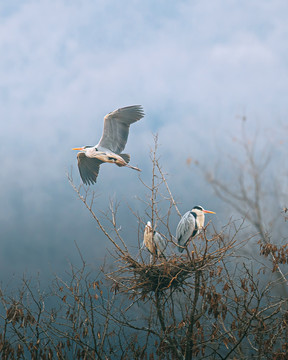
(200,220)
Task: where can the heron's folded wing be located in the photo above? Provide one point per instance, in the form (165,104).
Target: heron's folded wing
(88,168)
(160,242)
(116,127)
(185,228)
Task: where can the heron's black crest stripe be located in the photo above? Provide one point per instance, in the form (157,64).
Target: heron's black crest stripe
(198,207)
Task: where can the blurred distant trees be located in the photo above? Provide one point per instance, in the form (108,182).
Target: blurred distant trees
(258,191)
(215,302)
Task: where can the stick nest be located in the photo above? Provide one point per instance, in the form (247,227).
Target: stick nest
(161,275)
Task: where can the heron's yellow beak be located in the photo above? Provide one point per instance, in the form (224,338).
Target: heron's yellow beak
(209,212)
(81,148)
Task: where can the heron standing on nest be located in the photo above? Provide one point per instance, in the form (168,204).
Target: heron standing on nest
(153,241)
(112,143)
(190,225)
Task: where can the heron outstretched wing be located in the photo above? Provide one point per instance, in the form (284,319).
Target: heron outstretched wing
(88,168)
(185,229)
(116,127)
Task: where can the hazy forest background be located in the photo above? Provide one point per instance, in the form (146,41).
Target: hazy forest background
(212,79)
(226,298)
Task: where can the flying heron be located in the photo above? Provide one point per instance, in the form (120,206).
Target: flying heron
(190,225)
(112,143)
(153,241)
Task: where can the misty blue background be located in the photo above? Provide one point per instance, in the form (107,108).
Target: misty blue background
(196,67)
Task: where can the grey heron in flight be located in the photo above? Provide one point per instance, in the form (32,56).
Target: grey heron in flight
(153,241)
(112,143)
(190,225)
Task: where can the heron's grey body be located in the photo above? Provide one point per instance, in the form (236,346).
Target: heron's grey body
(111,144)
(190,225)
(153,241)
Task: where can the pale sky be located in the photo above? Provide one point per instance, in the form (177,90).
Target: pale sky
(195,66)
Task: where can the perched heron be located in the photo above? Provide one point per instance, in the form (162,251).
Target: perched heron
(153,241)
(111,144)
(190,225)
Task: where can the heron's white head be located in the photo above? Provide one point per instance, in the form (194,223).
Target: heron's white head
(148,227)
(200,215)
